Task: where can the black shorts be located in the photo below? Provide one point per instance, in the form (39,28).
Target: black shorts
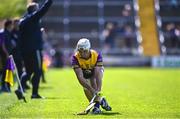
(88,73)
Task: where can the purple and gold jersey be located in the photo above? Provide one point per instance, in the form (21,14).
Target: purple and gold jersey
(87,65)
(94,60)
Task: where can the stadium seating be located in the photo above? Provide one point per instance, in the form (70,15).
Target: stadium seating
(168,23)
(69,20)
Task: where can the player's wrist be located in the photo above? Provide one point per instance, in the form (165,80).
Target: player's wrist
(98,93)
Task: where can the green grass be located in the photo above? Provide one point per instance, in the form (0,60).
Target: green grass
(132,93)
(12,8)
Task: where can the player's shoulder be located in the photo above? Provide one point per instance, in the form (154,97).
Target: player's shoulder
(76,53)
(95,52)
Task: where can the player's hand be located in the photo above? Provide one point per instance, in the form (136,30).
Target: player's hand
(98,96)
(97,93)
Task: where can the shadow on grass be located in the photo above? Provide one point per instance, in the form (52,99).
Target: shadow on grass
(110,113)
(53,98)
(103,113)
(46,87)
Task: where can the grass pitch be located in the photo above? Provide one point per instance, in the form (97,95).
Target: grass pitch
(132,93)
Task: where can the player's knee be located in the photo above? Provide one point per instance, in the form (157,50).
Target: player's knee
(99,73)
(99,70)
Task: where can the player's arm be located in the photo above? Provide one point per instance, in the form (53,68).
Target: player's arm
(93,83)
(82,81)
(99,70)
(79,74)
(99,75)
(37,15)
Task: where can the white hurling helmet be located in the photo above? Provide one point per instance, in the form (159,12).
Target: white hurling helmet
(83,44)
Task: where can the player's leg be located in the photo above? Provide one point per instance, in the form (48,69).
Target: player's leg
(88,94)
(97,86)
(99,72)
(105,105)
(37,70)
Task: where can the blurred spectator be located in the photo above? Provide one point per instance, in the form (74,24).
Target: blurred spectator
(171,41)
(6,47)
(16,51)
(177,32)
(109,35)
(58,59)
(47,49)
(128,33)
(127,10)
(170,5)
(174,3)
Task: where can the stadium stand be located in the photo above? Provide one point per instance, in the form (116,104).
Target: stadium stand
(69,20)
(168,23)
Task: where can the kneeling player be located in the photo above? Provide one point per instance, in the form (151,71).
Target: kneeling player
(88,67)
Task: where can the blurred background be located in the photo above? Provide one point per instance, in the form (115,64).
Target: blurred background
(143,33)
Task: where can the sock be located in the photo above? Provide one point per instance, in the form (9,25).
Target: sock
(102,101)
(97,105)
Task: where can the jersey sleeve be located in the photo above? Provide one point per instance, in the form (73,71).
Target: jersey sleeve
(99,60)
(74,62)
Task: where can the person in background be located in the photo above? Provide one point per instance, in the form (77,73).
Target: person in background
(31,45)
(44,37)
(109,35)
(16,51)
(6,47)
